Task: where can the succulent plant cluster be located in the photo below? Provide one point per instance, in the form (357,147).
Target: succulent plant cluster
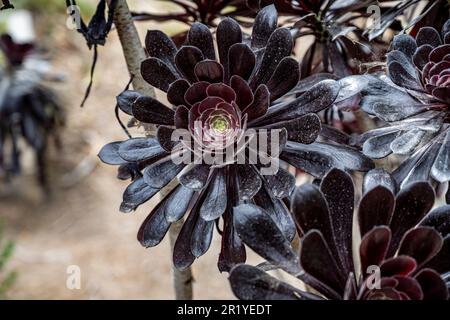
(226,89)
(29,109)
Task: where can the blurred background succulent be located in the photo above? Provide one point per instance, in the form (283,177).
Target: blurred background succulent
(403,240)
(29,110)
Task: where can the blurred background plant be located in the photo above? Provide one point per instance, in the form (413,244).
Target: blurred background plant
(7,278)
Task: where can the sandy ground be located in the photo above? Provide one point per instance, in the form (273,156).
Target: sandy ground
(81,225)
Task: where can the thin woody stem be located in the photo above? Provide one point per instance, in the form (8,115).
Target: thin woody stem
(134,54)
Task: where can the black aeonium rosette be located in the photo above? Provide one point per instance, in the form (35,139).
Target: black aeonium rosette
(406,243)
(217,101)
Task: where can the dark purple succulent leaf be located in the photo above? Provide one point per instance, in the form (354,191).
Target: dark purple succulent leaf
(186,59)
(307,83)
(351,86)
(331,133)
(420,169)
(410,287)
(160,46)
(437,54)
(251,283)
(412,204)
(277,210)
(260,104)
(222,91)
(253,225)
(404,43)
(150,110)
(197,92)
(350,290)
(181,117)
(215,201)
(421,243)
(441,261)
(420,58)
(375,209)
(279,46)
(248,180)
(209,71)
(428,36)
(158,73)
(126,99)
(164,137)
(109,154)
(310,211)
(374,246)
(264,25)
(441,166)
(178,203)
(304,129)
(439,219)
(318,261)
(384,294)
(378,177)
(175,94)
(398,266)
(241,61)
(319,97)
(284,78)
(135,194)
(233,249)
(202,234)
(159,174)
(195,176)
(199,36)
(281,183)
(228,33)
(379,146)
(318,158)
(401,76)
(244,95)
(155,226)
(338,189)
(139,149)
(442,93)
(432,285)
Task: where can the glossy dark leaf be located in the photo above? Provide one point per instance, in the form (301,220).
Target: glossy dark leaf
(199,36)
(209,71)
(264,25)
(186,59)
(244,95)
(432,285)
(281,184)
(284,79)
(404,43)
(160,46)
(157,73)
(279,46)
(429,36)
(175,94)
(421,243)
(398,266)
(251,283)
(317,260)
(233,250)
(412,203)
(135,194)
(241,61)
(248,180)
(215,201)
(252,225)
(138,149)
(228,33)
(109,154)
(195,176)
(375,209)
(260,104)
(337,187)
(164,137)
(439,219)
(201,236)
(162,172)
(126,99)
(441,167)
(178,203)
(373,247)
(150,110)
(378,177)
